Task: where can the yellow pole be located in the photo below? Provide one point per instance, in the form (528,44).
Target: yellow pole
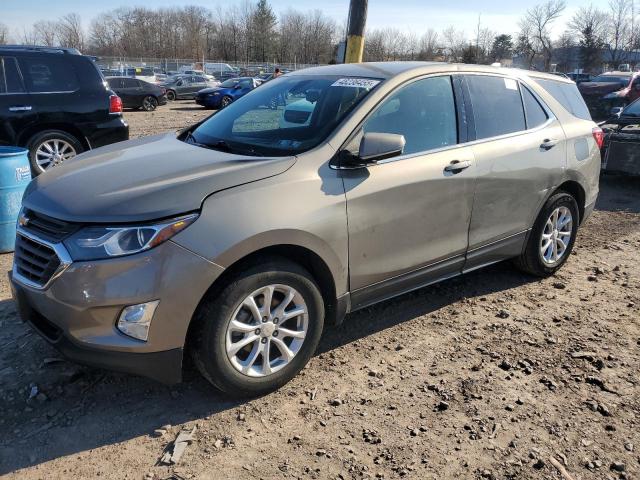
(355,31)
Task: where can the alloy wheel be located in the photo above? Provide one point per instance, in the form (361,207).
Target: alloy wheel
(267,330)
(556,236)
(53,152)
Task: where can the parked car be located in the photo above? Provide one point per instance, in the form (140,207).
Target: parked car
(54,102)
(141,73)
(610,90)
(198,73)
(185,86)
(580,77)
(227,92)
(621,151)
(238,240)
(138,93)
(222,71)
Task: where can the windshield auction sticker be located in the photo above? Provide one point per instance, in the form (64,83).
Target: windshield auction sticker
(367,83)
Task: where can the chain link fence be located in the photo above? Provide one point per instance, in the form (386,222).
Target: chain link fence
(212,67)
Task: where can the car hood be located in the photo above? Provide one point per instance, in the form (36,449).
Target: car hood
(599,88)
(143,179)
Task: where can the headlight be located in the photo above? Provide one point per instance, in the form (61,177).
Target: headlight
(94,243)
(215,93)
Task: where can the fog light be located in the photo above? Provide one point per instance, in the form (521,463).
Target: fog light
(135,320)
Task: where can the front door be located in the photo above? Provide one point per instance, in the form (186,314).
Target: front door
(17,111)
(408,216)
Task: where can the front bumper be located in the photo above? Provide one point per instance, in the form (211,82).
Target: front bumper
(79,310)
(209,101)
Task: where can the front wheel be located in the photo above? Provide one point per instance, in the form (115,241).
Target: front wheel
(225,101)
(552,238)
(259,331)
(171,95)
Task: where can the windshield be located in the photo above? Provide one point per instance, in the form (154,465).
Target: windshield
(611,79)
(632,110)
(286,116)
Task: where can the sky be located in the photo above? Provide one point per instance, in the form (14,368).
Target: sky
(414,15)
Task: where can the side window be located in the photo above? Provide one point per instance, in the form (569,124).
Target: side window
(129,83)
(10,81)
(534,112)
(49,74)
(423,111)
(497,105)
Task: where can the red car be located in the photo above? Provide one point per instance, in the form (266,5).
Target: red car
(609,90)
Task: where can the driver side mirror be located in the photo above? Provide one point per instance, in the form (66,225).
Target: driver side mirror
(379,146)
(616,112)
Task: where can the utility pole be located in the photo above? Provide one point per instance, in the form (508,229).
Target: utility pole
(355,31)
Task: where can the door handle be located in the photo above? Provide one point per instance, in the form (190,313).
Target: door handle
(25,108)
(456,166)
(548,144)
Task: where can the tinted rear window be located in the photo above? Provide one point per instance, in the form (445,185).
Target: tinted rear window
(10,81)
(568,95)
(497,105)
(49,74)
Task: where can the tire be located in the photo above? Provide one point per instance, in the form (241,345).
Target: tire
(171,95)
(149,103)
(42,148)
(226,100)
(541,263)
(211,335)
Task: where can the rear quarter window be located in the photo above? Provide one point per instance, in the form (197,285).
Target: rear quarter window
(49,74)
(568,95)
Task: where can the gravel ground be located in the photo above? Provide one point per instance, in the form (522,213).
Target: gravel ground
(491,375)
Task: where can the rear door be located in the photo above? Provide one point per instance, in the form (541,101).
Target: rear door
(17,111)
(520,151)
(53,83)
(131,92)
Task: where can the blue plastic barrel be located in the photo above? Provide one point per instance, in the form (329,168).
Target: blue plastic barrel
(15,175)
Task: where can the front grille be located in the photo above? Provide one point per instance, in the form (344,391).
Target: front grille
(34,261)
(50,229)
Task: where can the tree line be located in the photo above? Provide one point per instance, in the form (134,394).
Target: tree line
(252,32)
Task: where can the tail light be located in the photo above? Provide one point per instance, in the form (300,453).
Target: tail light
(598,136)
(115,104)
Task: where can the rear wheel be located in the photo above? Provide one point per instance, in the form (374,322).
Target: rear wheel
(171,95)
(259,331)
(50,148)
(552,238)
(149,103)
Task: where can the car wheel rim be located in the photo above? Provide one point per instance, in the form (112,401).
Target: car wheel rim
(225,102)
(53,152)
(267,330)
(556,236)
(149,104)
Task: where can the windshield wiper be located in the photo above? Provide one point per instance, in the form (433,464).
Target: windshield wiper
(220,145)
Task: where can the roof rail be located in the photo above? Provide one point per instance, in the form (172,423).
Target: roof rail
(41,48)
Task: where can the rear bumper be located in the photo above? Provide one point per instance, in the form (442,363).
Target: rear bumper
(105,133)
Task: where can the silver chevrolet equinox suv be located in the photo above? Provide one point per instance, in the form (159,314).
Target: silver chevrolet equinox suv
(319,193)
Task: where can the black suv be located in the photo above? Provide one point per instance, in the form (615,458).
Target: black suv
(55,102)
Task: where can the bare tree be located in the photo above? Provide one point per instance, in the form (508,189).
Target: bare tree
(428,45)
(619,36)
(454,43)
(70,32)
(537,21)
(4,34)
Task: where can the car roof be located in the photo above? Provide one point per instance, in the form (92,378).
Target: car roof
(39,49)
(386,70)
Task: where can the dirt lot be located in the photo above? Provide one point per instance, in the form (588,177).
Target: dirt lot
(490,375)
